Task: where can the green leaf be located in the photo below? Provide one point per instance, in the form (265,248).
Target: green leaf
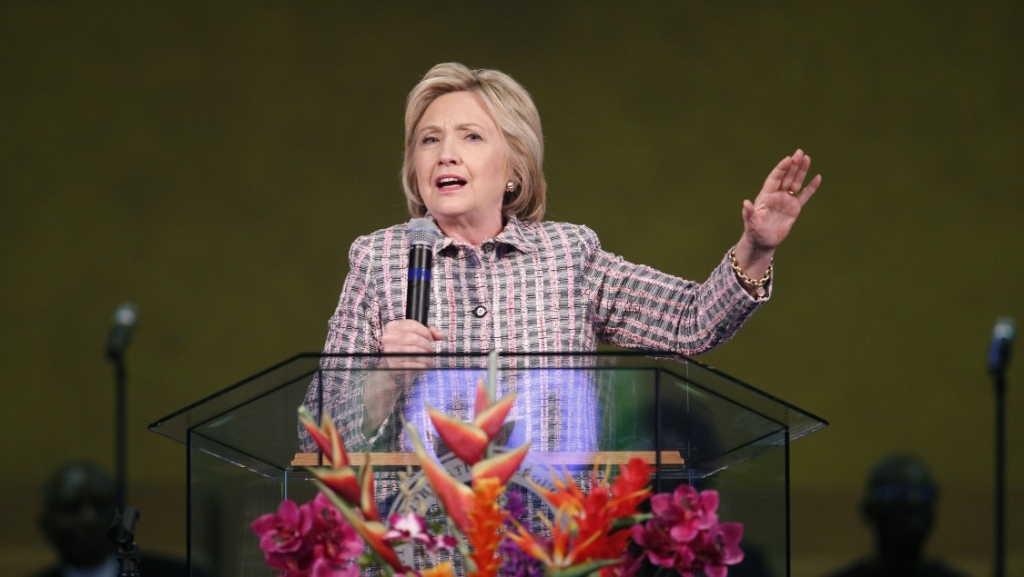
(624,522)
(582,568)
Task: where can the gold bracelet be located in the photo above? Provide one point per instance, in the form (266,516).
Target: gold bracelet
(758,284)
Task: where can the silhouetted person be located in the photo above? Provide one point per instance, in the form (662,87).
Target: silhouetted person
(78,508)
(899,504)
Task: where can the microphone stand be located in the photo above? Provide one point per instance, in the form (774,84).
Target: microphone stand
(999,380)
(123,533)
(998,360)
(120,432)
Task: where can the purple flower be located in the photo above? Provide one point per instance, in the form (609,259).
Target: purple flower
(515,504)
(517,563)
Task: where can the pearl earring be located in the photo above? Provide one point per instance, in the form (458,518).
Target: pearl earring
(510,187)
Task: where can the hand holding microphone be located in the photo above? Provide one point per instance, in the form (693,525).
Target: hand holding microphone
(412,335)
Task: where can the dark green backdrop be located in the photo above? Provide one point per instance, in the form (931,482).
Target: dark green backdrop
(211,162)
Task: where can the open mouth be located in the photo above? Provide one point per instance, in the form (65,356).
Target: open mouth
(449,182)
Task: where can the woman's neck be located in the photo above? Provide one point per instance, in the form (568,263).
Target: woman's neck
(473,234)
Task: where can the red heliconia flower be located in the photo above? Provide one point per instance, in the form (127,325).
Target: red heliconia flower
(342,482)
(326,437)
(630,487)
(469,441)
(355,495)
(338,475)
(474,510)
(586,533)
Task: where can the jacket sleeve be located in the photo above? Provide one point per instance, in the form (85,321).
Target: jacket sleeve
(355,327)
(636,306)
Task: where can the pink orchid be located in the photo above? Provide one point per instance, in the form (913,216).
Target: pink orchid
(684,534)
(313,540)
(283,532)
(337,541)
(719,548)
(658,545)
(412,527)
(686,511)
(324,568)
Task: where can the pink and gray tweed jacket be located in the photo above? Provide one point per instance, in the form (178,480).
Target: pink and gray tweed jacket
(536,287)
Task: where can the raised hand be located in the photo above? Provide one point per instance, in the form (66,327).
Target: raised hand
(768,220)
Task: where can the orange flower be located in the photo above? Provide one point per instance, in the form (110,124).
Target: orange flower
(445,569)
(484,530)
(585,530)
(475,510)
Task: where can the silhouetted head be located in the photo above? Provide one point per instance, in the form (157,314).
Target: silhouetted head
(900,504)
(78,506)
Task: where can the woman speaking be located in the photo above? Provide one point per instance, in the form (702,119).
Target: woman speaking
(505,279)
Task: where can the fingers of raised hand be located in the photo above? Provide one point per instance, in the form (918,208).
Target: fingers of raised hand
(775,177)
(808,191)
(795,173)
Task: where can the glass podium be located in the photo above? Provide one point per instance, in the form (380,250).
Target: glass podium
(696,425)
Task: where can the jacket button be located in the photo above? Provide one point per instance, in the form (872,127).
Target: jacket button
(480,311)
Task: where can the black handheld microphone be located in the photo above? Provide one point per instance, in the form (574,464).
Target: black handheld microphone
(1002,342)
(125,318)
(422,233)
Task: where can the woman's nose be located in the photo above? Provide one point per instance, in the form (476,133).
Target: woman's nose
(449,153)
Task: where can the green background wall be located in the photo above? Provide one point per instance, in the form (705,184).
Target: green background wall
(211,162)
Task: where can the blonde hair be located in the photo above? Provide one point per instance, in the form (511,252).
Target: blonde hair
(516,116)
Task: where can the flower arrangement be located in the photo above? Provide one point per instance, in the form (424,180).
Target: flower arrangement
(599,531)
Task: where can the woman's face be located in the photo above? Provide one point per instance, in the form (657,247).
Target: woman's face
(460,164)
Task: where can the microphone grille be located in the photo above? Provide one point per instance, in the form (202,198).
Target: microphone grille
(1005,330)
(422,231)
(126,315)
